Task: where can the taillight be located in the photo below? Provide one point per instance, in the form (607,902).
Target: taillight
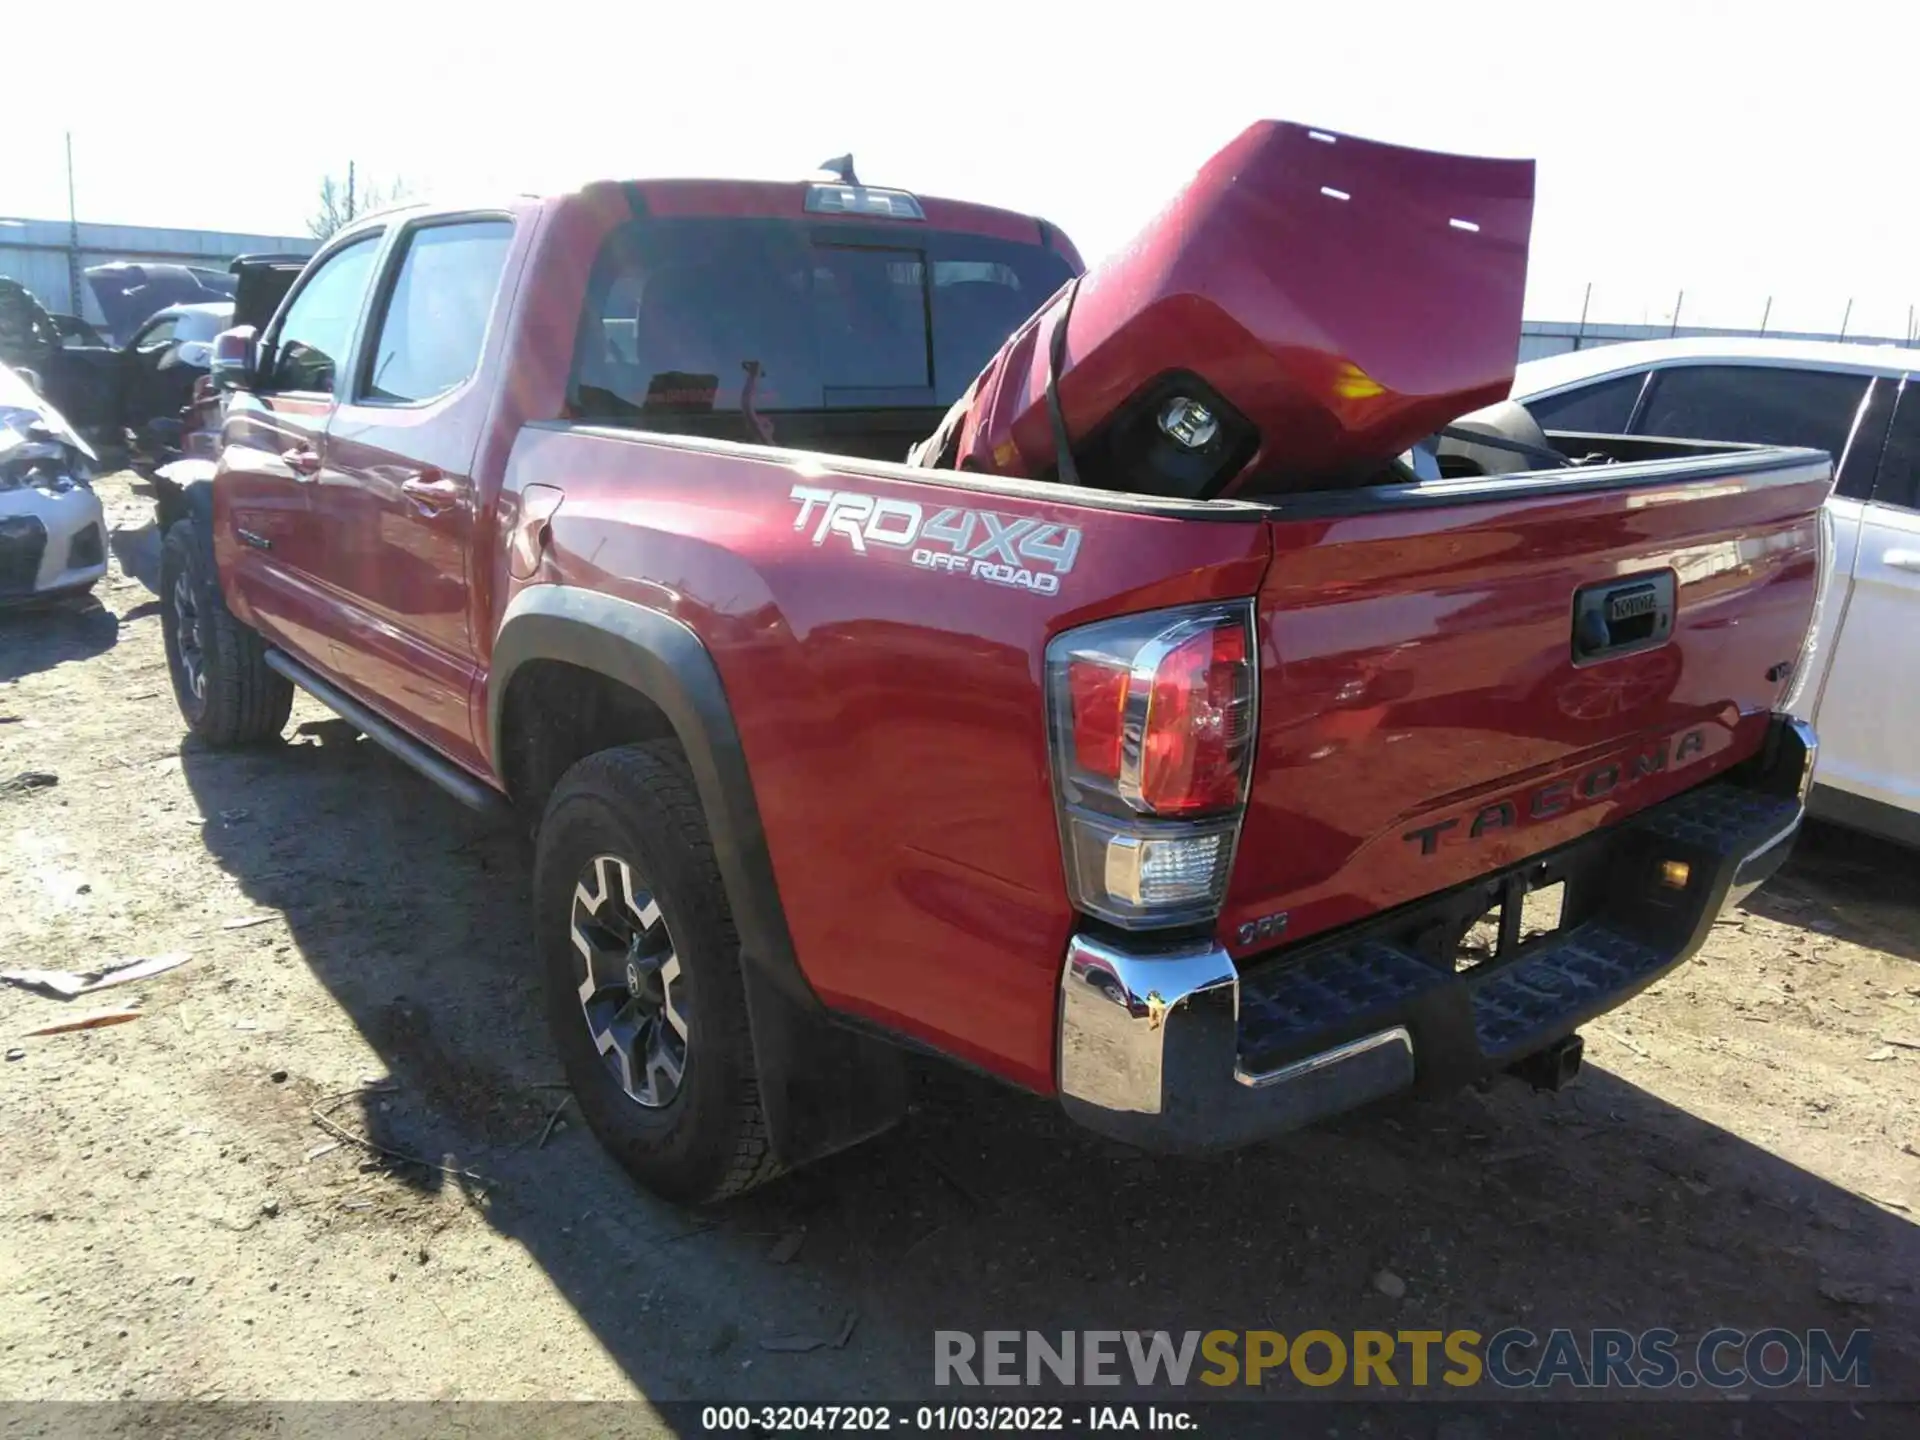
(1197,724)
(1153,720)
(1098,696)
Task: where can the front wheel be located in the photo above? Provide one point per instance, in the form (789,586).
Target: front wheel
(644,994)
(226,693)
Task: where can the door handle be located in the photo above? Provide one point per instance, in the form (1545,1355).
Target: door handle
(432,492)
(304,463)
(1903,560)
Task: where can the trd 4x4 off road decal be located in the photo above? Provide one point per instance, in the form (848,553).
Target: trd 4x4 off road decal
(1017,551)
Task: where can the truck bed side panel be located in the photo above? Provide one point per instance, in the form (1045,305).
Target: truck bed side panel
(891,713)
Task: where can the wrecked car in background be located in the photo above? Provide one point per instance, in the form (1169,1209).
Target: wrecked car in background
(52,531)
(133,397)
(89,382)
(130,292)
(160,368)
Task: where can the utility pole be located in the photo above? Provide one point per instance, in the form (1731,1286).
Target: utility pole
(74,306)
(350,209)
(1846,317)
(1674,328)
(1765,314)
(1581,334)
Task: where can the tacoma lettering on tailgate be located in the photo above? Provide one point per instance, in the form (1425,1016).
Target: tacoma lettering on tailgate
(1016,551)
(1550,800)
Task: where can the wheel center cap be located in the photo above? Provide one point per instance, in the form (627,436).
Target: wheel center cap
(634,980)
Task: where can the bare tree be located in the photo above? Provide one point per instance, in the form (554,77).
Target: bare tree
(343,200)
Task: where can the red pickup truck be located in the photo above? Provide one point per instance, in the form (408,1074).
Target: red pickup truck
(1185,734)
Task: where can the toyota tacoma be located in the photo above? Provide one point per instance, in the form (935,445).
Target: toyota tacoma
(1181,687)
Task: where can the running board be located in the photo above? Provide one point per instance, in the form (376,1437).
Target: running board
(396,742)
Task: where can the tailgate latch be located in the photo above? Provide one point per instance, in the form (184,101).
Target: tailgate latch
(1621,616)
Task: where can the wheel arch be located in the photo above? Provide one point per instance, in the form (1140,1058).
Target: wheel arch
(183,490)
(824,1086)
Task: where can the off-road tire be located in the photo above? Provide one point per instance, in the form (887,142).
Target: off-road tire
(241,701)
(638,803)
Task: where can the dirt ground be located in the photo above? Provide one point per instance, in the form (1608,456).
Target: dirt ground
(177,1222)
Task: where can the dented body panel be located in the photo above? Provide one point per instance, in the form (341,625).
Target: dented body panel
(1345,297)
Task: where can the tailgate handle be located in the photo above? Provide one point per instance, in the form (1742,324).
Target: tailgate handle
(1621,616)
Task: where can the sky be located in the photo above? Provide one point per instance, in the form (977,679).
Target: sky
(1730,151)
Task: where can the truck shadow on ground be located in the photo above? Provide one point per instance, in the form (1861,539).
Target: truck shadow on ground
(39,635)
(1601,1206)
(1847,884)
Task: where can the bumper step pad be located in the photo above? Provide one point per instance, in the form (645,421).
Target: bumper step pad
(1336,989)
(1525,1001)
(1352,986)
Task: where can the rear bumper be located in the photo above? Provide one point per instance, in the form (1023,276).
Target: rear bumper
(1177,1048)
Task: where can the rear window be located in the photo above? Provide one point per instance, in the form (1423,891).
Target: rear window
(1599,409)
(1758,404)
(690,319)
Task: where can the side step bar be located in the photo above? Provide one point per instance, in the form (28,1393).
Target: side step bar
(444,773)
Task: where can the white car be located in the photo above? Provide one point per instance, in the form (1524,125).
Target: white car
(1861,404)
(53,534)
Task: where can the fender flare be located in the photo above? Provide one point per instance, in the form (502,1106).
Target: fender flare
(184,491)
(824,1086)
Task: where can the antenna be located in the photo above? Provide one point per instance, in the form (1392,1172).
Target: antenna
(841,168)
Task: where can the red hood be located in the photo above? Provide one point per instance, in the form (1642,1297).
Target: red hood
(1346,297)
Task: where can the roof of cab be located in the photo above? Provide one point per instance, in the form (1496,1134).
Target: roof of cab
(787,200)
(755,199)
(1556,372)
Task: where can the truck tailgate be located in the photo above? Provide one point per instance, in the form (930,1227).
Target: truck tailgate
(1427,713)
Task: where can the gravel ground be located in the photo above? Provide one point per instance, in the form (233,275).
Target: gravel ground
(180,1217)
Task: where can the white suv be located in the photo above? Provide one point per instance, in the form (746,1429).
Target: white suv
(1861,404)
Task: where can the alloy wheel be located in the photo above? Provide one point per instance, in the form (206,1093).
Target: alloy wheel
(186,615)
(630,986)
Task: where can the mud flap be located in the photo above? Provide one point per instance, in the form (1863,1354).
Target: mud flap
(823,1087)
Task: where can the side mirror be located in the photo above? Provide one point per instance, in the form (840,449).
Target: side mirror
(231,367)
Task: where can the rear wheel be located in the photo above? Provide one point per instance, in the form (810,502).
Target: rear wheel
(226,693)
(644,994)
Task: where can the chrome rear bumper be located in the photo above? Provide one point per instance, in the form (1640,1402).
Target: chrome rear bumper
(1149,1054)
(1173,1048)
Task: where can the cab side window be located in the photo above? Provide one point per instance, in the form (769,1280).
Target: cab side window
(312,340)
(435,322)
